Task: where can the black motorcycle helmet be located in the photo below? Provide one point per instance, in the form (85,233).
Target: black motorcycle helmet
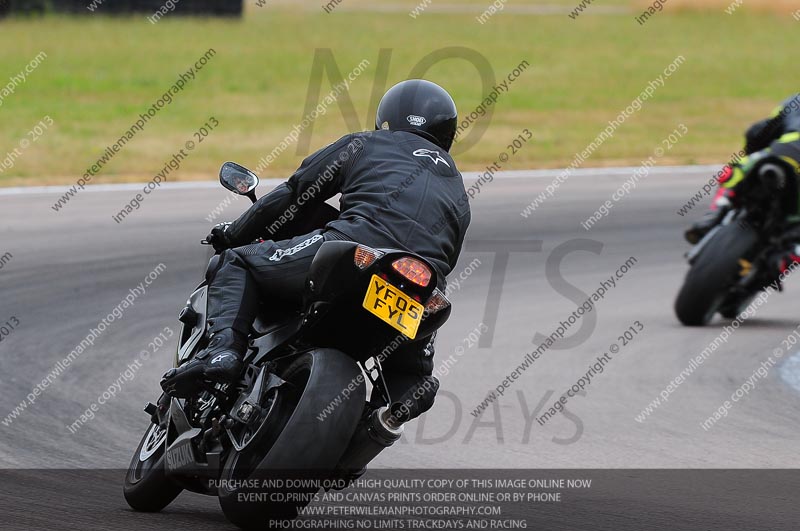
(420,107)
(785,119)
(790,109)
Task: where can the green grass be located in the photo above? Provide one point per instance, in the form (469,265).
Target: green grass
(101,72)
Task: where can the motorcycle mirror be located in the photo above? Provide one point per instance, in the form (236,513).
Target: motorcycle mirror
(238,179)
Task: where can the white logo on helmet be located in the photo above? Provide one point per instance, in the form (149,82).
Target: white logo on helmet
(413,119)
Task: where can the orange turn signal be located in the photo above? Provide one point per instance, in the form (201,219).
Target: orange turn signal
(365,256)
(437,302)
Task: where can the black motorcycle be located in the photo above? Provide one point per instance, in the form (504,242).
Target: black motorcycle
(300,409)
(729,265)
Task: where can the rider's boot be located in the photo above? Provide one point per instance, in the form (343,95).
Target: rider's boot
(220,362)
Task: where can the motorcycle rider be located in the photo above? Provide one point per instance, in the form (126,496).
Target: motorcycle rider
(773,140)
(414,129)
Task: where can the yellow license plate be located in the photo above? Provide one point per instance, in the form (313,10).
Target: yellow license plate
(393,306)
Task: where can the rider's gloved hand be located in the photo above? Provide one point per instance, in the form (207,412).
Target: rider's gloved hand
(219,237)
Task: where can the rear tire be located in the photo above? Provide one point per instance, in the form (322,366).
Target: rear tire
(147,487)
(713,273)
(299,442)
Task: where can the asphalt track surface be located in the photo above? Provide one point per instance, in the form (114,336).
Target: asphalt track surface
(69,269)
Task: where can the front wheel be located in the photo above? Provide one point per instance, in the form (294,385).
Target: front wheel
(714,273)
(147,487)
(307,425)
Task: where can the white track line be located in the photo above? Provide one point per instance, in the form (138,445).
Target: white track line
(790,371)
(446,8)
(469,175)
(461,9)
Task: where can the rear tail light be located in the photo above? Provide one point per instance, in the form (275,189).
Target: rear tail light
(365,256)
(437,302)
(413,270)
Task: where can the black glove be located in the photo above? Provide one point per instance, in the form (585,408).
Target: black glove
(219,237)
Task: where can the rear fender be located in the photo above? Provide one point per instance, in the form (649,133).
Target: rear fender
(334,281)
(332,272)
